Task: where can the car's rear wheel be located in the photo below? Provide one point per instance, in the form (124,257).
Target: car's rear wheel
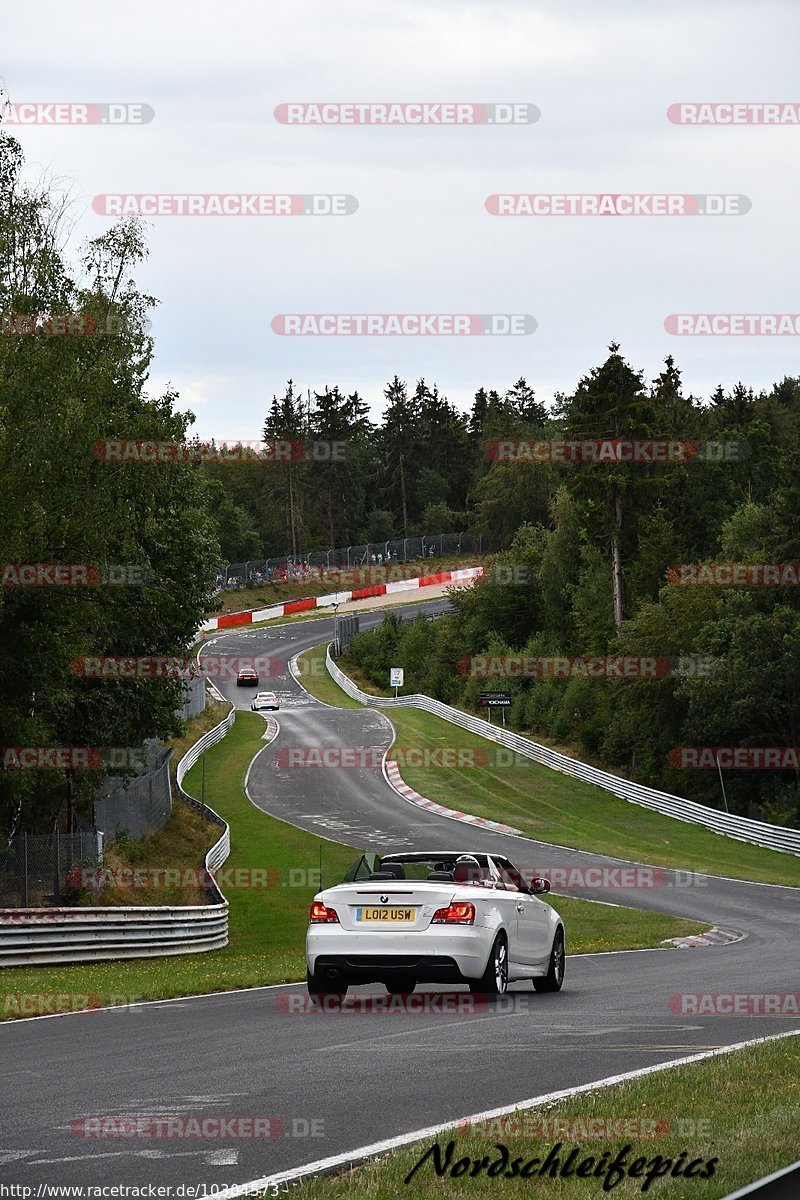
(401,987)
(494,981)
(325,989)
(552,981)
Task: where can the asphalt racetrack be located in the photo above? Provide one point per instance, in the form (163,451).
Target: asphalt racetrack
(336,1082)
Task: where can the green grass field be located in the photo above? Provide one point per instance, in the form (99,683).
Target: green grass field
(549,806)
(741,1109)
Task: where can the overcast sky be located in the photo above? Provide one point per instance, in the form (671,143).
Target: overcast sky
(603,75)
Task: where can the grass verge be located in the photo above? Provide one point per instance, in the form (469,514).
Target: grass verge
(268,921)
(313,674)
(181,846)
(549,806)
(740,1109)
(166,868)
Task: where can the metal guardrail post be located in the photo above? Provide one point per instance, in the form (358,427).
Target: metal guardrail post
(56,869)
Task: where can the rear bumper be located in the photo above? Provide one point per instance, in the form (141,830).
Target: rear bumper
(437,955)
(357,968)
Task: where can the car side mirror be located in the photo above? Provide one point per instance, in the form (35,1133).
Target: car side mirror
(538,886)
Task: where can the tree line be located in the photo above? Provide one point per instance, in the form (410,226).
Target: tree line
(415,471)
(610,560)
(60,395)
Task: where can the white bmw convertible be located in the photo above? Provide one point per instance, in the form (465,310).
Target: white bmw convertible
(449,918)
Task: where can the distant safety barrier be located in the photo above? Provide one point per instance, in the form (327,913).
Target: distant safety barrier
(464,575)
(743,829)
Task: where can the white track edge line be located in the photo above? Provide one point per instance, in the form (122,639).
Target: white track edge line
(294,671)
(352,1157)
(751,1189)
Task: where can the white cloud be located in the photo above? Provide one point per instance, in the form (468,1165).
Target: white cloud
(603,75)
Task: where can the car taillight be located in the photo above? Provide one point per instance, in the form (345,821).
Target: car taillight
(320,915)
(455,914)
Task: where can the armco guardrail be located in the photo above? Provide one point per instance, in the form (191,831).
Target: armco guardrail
(221,849)
(61,935)
(743,829)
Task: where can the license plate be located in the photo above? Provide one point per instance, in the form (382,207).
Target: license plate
(384,914)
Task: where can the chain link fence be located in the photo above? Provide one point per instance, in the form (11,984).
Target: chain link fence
(141,805)
(195,693)
(318,563)
(35,868)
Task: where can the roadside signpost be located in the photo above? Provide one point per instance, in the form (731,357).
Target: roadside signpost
(490,700)
(396,676)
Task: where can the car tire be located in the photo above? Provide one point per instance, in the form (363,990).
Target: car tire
(322,989)
(494,981)
(553,980)
(401,987)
